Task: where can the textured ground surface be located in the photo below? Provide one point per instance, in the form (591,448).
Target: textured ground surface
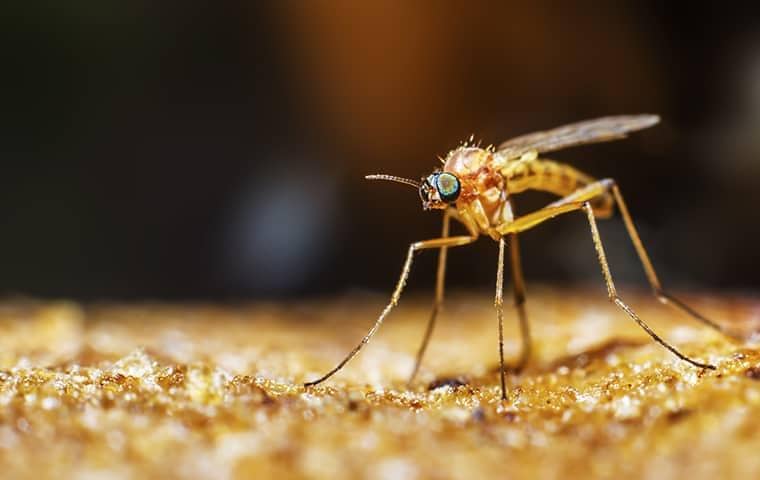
(193,391)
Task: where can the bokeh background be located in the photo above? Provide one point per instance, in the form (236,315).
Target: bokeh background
(216,150)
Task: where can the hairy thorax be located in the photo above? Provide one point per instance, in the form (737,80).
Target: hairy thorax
(483,201)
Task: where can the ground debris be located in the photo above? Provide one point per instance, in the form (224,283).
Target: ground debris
(171,391)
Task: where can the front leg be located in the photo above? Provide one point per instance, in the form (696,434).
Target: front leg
(440,279)
(499,305)
(443,242)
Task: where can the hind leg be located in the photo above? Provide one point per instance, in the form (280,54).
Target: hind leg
(580,201)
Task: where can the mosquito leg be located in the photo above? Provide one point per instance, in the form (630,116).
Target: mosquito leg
(499,305)
(440,279)
(413,248)
(663,296)
(603,188)
(580,201)
(614,298)
(518,290)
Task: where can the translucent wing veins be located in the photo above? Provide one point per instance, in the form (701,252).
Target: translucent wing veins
(590,131)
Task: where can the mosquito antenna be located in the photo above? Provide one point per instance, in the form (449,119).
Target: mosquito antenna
(393,178)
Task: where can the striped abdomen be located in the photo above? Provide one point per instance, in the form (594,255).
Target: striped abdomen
(545,175)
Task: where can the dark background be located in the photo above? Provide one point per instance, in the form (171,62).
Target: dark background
(184,149)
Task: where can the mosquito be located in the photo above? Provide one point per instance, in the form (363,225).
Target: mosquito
(476,186)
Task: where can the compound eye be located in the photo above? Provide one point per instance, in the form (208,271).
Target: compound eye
(448,187)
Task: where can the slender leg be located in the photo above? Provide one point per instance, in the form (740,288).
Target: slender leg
(440,279)
(414,247)
(612,292)
(663,296)
(602,187)
(499,305)
(518,290)
(530,220)
(557,208)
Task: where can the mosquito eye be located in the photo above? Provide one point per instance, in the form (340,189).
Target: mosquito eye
(448,187)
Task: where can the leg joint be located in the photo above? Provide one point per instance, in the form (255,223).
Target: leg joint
(661,295)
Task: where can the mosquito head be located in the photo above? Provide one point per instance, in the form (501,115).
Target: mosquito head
(438,190)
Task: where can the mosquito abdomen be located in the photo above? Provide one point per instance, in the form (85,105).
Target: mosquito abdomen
(545,175)
(553,177)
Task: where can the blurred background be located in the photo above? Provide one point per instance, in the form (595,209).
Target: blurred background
(216,150)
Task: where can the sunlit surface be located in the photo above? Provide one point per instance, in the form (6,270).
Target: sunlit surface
(161,391)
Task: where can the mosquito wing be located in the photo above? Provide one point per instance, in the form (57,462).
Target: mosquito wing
(590,131)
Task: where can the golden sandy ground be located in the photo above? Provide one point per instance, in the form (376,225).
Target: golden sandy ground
(197,391)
